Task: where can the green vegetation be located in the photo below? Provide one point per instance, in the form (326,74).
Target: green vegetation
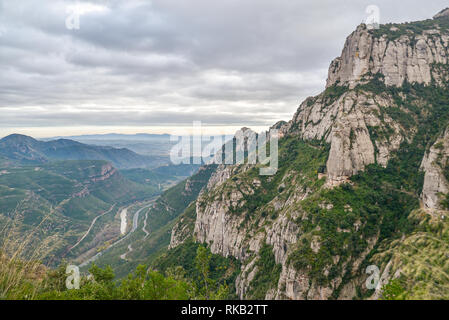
(178,198)
(421,258)
(344,220)
(28,280)
(394,290)
(221,272)
(410,28)
(332,93)
(446,170)
(161,177)
(445,202)
(267,276)
(142,284)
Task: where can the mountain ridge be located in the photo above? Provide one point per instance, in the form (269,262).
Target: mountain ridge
(23,148)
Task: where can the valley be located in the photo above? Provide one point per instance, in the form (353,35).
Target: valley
(126,235)
(68,209)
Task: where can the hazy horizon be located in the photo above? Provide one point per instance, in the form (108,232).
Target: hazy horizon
(44,134)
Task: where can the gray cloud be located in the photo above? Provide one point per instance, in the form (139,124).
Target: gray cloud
(140,63)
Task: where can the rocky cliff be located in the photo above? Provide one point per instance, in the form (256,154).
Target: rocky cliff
(400,54)
(344,123)
(436,167)
(354,163)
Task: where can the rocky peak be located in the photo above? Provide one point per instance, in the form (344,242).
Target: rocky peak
(398,52)
(244,132)
(343,116)
(353,62)
(238,144)
(442,14)
(17,139)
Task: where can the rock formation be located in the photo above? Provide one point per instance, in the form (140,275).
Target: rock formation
(434,164)
(409,57)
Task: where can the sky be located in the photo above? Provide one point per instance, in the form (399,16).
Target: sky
(85,67)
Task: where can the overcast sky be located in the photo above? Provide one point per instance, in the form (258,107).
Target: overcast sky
(148,66)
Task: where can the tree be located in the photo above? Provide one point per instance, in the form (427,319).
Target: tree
(393,290)
(202,263)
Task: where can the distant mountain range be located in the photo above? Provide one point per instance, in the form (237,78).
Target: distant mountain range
(141,143)
(115,136)
(23,149)
(154,145)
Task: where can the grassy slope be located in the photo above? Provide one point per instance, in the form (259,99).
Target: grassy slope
(421,258)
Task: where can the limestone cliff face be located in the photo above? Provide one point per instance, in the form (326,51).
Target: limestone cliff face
(231,234)
(434,165)
(345,124)
(410,57)
(299,285)
(180,232)
(216,225)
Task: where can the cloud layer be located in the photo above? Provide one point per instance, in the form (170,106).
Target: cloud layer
(140,63)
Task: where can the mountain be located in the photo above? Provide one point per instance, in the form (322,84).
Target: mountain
(363,180)
(26,150)
(154,145)
(117,136)
(145,144)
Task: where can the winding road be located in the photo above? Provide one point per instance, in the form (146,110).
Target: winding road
(133,229)
(135,225)
(144,228)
